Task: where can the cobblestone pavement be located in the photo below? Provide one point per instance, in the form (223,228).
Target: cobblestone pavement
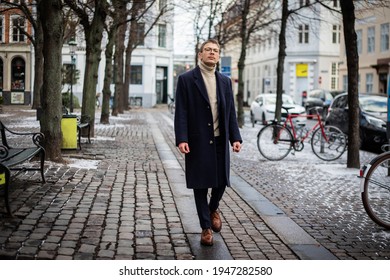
(112,200)
(322,197)
(123,206)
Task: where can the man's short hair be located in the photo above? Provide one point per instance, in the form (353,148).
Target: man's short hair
(214,41)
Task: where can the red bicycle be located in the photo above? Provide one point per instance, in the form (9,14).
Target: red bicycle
(276,140)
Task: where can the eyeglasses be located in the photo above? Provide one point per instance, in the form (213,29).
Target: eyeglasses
(210,49)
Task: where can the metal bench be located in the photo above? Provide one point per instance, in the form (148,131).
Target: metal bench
(12,158)
(86,124)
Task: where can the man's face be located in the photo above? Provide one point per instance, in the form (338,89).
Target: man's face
(210,54)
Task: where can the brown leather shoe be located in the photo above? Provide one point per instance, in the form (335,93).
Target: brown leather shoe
(216,223)
(206,237)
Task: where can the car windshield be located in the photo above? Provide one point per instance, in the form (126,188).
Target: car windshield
(376,104)
(271,100)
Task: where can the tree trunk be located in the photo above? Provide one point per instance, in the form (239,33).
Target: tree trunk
(38,67)
(129,50)
(52,24)
(105,115)
(241,64)
(281,58)
(350,38)
(118,58)
(93,37)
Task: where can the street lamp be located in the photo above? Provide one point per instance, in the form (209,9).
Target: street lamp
(72,51)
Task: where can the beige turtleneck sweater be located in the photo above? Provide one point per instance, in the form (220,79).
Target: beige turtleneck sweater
(208,74)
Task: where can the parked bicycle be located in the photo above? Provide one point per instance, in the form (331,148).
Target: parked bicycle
(276,140)
(171,105)
(375,188)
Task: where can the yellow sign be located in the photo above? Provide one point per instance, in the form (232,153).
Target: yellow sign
(301,70)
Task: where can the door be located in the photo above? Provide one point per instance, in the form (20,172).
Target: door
(161,85)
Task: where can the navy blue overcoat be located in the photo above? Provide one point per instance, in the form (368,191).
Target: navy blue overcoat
(194,125)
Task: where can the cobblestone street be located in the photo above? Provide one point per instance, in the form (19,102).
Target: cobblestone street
(123,197)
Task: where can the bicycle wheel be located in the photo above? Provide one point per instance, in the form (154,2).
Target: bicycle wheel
(376,190)
(274,141)
(333,147)
(171,107)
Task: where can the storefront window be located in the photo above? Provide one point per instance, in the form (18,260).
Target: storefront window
(1,75)
(17,74)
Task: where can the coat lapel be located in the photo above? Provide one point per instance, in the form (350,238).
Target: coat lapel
(200,83)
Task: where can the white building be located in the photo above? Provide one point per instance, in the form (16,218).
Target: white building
(312,60)
(151,63)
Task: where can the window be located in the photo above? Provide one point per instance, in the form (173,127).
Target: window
(136,75)
(304,3)
(18,29)
(384,37)
(371,39)
(369,82)
(1,29)
(162,35)
(359,41)
(336,34)
(140,33)
(162,4)
(334,76)
(345,83)
(304,34)
(17,74)
(1,74)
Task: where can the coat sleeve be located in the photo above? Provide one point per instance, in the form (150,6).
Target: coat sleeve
(181,112)
(234,132)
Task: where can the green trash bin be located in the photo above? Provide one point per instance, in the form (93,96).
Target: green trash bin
(69,131)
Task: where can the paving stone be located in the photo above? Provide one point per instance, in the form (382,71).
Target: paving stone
(125,209)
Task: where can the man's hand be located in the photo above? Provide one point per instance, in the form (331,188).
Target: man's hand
(184,148)
(236,146)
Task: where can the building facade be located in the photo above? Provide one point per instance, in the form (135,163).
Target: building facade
(312,54)
(151,77)
(151,71)
(373,32)
(15,57)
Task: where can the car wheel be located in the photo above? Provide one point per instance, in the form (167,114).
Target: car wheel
(252,119)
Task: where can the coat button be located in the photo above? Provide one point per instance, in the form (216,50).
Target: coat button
(211,142)
(209,124)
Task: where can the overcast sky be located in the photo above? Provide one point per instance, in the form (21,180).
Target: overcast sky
(183,32)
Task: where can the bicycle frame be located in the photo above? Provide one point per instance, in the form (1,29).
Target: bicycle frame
(289,121)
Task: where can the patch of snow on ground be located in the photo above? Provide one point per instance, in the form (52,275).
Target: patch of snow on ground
(83,163)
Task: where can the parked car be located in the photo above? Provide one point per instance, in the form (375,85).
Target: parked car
(317,98)
(263,108)
(372,118)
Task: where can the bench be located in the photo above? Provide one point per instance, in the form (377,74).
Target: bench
(12,158)
(86,124)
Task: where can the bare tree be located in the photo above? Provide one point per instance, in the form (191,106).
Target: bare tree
(121,18)
(92,15)
(350,38)
(53,28)
(242,20)
(140,12)
(108,74)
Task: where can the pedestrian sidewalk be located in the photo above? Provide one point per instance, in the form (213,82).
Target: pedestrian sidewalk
(124,197)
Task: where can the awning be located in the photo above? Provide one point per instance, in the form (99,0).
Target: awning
(382,64)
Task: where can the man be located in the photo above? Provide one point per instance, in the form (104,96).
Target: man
(205,123)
